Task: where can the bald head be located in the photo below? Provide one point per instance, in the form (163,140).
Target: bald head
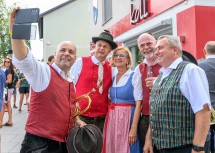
(210,47)
(144,36)
(66,43)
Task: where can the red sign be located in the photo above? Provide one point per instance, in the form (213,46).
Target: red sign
(140,13)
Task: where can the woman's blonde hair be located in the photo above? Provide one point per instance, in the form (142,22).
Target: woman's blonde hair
(128,53)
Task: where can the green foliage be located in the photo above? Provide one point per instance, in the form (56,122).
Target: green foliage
(5,41)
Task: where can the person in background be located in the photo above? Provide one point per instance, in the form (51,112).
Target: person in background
(9,72)
(208,65)
(93,74)
(50,60)
(15,80)
(24,88)
(146,72)
(120,132)
(51,114)
(179,103)
(2,85)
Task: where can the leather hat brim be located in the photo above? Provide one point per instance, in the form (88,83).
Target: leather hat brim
(73,133)
(112,43)
(189,57)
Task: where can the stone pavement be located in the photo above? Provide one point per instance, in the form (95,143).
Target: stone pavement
(12,137)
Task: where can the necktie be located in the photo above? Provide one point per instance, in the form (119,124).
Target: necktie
(100,77)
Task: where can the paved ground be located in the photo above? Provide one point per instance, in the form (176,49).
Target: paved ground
(11,137)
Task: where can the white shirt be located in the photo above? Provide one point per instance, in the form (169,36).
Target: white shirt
(38,73)
(77,67)
(193,84)
(210,56)
(123,80)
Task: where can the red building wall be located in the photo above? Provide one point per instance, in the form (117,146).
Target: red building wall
(197,25)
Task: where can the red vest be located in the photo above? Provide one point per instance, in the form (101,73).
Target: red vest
(143,71)
(87,81)
(51,112)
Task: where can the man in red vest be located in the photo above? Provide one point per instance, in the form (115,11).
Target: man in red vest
(146,71)
(51,114)
(93,74)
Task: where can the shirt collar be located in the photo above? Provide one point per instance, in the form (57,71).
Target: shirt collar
(172,66)
(128,72)
(146,62)
(96,61)
(210,56)
(69,77)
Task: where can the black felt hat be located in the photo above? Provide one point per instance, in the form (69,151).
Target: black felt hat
(87,139)
(105,36)
(189,57)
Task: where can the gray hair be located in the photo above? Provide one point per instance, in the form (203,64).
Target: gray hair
(172,41)
(210,47)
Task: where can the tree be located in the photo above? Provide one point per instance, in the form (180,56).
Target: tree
(5,41)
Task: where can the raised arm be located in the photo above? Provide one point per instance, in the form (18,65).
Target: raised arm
(18,46)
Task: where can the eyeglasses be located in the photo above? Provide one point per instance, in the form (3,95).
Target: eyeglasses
(120,56)
(7,61)
(104,46)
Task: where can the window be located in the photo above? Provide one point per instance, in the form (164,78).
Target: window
(107,10)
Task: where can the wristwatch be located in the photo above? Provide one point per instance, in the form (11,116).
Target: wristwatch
(197,148)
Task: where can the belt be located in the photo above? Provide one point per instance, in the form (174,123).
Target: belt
(93,118)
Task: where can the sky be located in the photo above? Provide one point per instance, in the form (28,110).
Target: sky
(44,5)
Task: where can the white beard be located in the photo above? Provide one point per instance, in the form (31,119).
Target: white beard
(148,56)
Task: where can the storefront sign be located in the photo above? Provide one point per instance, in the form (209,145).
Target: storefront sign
(140,13)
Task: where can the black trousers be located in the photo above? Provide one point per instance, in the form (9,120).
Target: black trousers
(36,144)
(180,149)
(212,130)
(97,121)
(143,128)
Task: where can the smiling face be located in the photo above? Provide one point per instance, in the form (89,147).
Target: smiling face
(102,49)
(165,53)
(120,58)
(65,55)
(146,45)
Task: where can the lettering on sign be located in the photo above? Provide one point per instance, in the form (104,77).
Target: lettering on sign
(140,13)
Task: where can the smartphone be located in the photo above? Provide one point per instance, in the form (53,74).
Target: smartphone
(30,15)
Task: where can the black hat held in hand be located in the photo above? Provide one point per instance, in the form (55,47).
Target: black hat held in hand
(87,139)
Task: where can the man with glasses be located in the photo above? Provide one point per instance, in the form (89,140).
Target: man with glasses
(146,72)
(93,74)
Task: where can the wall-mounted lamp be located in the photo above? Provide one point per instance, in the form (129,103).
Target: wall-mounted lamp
(182,39)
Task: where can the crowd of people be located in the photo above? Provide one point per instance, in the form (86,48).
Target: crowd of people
(163,106)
